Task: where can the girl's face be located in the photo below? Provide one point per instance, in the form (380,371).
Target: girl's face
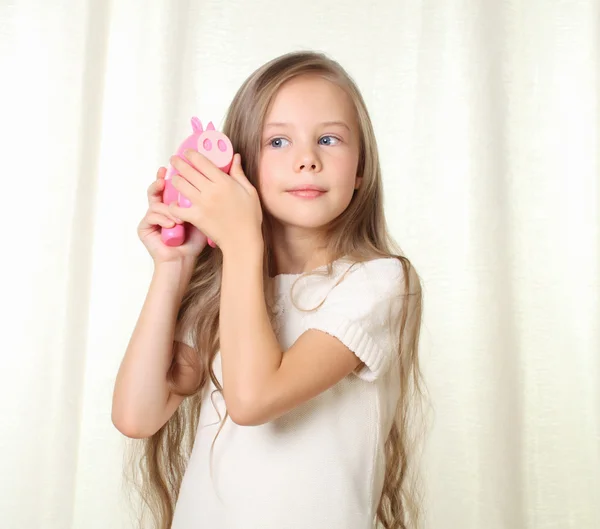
(309,154)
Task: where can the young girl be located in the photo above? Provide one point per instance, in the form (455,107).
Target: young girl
(271,378)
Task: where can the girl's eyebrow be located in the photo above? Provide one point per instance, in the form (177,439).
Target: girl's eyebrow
(325,123)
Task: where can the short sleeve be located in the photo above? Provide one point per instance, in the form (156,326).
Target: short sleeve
(363,312)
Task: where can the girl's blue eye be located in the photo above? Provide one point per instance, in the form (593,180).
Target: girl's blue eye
(332,140)
(277,143)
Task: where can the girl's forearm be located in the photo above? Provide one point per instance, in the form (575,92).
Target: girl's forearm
(141,390)
(250,352)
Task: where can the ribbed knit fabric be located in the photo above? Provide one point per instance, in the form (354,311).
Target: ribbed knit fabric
(321,465)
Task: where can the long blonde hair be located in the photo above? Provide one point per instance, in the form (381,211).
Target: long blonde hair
(361,233)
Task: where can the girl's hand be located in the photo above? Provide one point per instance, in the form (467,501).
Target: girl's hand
(157,216)
(224,207)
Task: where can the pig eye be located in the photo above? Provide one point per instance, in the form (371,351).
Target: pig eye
(207,144)
(222,146)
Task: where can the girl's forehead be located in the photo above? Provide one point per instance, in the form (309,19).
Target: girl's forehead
(307,98)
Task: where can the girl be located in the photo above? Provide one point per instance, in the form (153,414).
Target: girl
(271,379)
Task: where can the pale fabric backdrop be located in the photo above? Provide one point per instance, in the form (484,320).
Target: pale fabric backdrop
(487,118)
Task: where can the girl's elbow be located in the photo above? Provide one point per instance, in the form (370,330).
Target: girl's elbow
(129,428)
(246,411)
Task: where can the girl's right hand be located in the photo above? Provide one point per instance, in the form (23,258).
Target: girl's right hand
(158,216)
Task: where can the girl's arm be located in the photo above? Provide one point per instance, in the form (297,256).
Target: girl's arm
(260,383)
(142,401)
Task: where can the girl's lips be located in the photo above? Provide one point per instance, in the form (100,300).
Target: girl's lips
(306,193)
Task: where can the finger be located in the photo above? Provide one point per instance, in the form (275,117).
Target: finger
(204,165)
(238,174)
(189,190)
(155,191)
(156,219)
(163,209)
(190,173)
(180,213)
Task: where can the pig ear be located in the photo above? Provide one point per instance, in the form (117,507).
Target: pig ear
(210,126)
(197,125)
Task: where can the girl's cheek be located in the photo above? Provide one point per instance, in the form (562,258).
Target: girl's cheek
(263,186)
(265,178)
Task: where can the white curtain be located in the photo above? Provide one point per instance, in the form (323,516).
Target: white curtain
(487,116)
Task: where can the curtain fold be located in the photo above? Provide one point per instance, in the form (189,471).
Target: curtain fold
(487,121)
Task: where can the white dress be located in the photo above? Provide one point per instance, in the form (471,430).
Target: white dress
(321,465)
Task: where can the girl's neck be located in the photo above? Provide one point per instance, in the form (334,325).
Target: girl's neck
(295,253)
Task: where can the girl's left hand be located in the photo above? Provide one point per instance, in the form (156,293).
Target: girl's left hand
(225,207)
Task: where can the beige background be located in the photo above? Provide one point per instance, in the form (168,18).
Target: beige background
(487,117)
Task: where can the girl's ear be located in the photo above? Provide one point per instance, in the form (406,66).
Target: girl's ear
(358,182)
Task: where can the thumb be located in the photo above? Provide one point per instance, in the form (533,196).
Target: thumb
(237,172)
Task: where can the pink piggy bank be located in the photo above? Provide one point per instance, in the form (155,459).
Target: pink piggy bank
(218,149)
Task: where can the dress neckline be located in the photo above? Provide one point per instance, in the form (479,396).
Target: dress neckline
(282,278)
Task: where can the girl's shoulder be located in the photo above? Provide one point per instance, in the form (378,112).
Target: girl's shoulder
(347,281)
(387,265)
(360,304)
(369,279)
(379,270)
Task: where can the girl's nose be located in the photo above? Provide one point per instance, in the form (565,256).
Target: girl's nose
(308,161)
